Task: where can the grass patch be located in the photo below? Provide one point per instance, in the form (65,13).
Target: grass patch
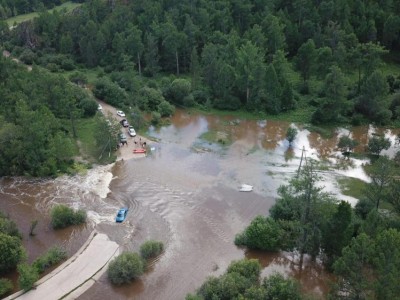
(324,132)
(352,187)
(86,129)
(218,137)
(299,115)
(91,74)
(67,7)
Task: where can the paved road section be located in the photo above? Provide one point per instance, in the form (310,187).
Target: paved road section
(77,274)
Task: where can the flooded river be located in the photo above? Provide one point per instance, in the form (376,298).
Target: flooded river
(185,193)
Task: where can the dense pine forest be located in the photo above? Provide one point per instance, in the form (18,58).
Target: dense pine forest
(336,60)
(325,62)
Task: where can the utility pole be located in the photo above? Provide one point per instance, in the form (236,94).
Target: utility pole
(303,155)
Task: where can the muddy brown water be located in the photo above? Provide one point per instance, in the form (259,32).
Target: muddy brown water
(185,193)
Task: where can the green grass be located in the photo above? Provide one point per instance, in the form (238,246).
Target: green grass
(67,6)
(352,187)
(214,136)
(91,74)
(325,132)
(86,131)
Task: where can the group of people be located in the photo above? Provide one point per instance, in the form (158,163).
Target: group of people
(142,144)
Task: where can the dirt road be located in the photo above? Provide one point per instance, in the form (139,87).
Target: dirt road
(125,152)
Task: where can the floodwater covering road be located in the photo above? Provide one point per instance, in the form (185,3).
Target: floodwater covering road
(185,194)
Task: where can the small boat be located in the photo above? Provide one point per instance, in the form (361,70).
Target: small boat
(139,150)
(245,188)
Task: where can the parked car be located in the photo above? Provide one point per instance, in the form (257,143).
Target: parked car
(120,113)
(99,107)
(122,138)
(131,131)
(124,123)
(121,215)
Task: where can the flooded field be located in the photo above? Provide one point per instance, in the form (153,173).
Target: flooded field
(185,193)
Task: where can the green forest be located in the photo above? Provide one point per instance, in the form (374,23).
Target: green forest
(325,62)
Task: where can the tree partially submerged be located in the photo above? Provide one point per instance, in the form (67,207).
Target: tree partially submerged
(242,281)
(346,145)
(62,216)
(291,134)
(151,249)
(378,143)
(125,268)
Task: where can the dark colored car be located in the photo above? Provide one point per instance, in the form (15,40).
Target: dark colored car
(124,123)
(121,215)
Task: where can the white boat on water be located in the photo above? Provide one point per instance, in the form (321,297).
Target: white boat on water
(245,188)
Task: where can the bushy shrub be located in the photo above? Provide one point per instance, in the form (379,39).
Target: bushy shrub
(151,249)
(78,78)
(67,64)
(150,98)
(125,268)
(242,281)
(248,268)
(155,118)
(110,92)
(28,275)
(166,109)
(6,286)
(52,67)
(363,208)
(8,226)
(178,90)
(89,106)
(277,287)
(27,56)
(127,80)
(200,96)
(53,256)
(63,216)
(262,233)
(188,101)
(231,103)
(11,252)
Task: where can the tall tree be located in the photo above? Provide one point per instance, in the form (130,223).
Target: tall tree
(336,104)
(381,175)
(373,102)
(338,233)
(305,59)
(354,269)
(249,72)
(274,30)
(195,69)
(273,90)
(172,41)
(135,46)
(151,56)
(387,264)
(365,58)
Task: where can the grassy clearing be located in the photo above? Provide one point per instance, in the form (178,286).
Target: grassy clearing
(218,137)
(352,187)
(86,129)
(300,115)
(67,7)
(91,74)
